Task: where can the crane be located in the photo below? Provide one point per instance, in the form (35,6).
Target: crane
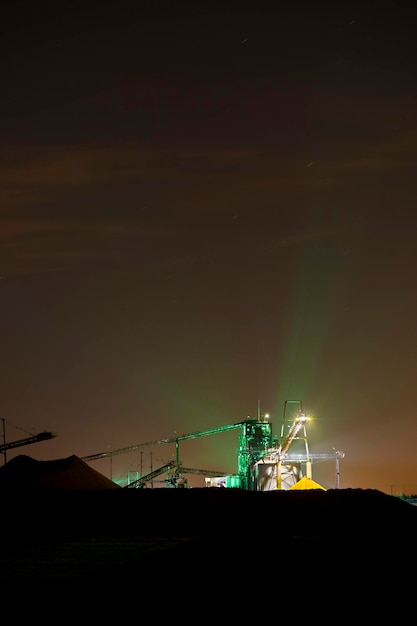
(176,439)
(43,436)
(25,442)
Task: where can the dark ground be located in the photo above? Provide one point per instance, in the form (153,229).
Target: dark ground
(96,550)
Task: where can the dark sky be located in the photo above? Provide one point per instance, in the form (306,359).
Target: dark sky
(207,208)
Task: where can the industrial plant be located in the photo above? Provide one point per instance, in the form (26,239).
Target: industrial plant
(265,461)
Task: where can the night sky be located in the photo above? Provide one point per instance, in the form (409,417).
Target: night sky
(207,208)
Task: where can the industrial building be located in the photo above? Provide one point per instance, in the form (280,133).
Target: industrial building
(265,461)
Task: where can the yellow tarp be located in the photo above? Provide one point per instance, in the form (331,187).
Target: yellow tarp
(307,483)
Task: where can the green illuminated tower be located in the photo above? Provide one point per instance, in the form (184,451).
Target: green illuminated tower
(255,440)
